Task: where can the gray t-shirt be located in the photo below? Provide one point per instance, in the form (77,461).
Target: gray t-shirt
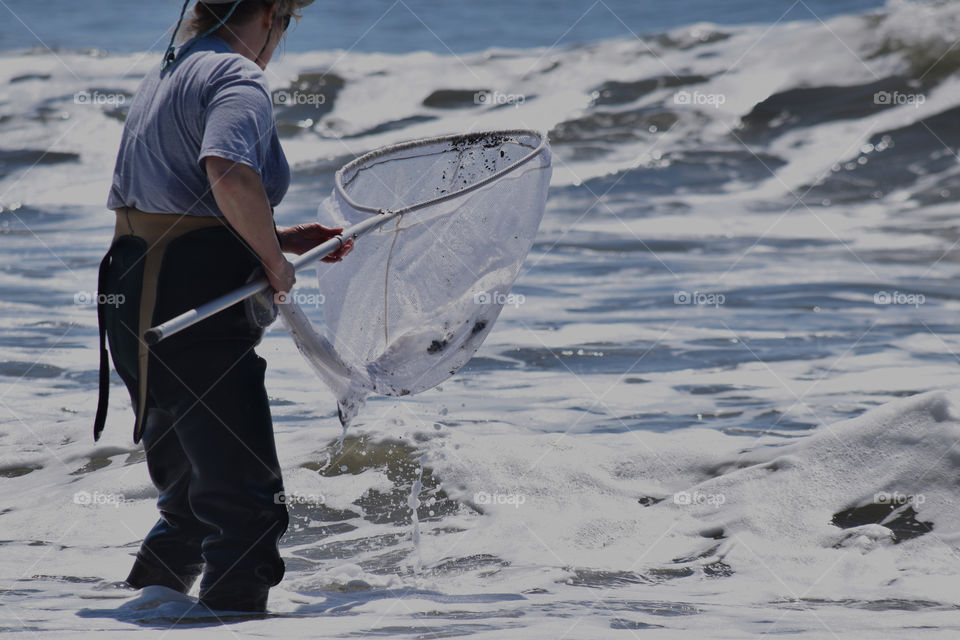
(213,102)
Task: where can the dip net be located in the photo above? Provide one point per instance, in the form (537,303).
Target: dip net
(416,298)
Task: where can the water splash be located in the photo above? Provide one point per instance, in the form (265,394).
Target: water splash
(414,503)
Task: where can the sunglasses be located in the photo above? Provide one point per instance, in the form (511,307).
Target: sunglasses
(285,22)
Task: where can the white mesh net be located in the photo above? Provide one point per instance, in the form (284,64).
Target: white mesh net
(415,299)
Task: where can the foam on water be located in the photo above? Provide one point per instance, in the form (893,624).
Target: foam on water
(723,524)
(763,508)
(77,101)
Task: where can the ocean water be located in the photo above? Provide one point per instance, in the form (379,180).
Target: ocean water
(403,26)
(725,407)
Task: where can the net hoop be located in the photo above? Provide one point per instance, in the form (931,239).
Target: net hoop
(346,173)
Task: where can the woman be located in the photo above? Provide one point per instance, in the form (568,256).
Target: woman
(199,169)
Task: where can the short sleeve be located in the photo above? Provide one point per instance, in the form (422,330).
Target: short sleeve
(238,122)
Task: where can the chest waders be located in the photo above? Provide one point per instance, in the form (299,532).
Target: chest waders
(128,280)
(200,405)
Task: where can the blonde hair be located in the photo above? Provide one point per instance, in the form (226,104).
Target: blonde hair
(205,17)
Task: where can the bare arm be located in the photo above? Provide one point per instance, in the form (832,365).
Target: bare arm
(240,195)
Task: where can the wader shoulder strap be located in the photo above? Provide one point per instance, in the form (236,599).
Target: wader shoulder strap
(104,399)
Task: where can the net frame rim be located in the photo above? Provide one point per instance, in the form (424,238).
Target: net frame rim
(356,163)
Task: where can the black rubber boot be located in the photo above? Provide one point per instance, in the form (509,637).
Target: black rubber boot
(236,596)
(145,574)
